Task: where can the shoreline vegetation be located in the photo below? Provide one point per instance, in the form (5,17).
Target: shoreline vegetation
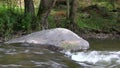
(94,19)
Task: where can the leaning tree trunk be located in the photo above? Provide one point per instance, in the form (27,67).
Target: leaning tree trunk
(44,11)
(29,7)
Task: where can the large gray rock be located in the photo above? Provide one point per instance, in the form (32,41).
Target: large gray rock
(59,37)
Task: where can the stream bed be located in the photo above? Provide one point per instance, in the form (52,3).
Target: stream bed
(102,54)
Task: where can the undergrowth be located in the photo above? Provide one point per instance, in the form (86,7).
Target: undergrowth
(13,21)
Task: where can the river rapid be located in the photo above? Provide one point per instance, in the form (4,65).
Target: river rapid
(102,54)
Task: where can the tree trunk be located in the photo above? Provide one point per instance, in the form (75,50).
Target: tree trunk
(29,7)
(44,11)
(73,11)
(68,8)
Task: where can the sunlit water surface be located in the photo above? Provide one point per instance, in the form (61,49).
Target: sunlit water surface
(102,54)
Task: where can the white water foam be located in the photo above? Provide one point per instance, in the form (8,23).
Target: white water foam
(97,59)
(10,65)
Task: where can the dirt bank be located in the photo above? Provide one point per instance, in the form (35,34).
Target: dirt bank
(100,36)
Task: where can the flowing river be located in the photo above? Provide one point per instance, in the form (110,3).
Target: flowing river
(102,54)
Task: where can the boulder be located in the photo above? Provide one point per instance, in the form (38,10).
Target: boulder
(58,37)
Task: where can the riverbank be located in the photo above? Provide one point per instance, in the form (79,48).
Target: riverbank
(100,36)
(92,21)
(90,35)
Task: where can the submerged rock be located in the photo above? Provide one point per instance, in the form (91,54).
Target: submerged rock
(58,37)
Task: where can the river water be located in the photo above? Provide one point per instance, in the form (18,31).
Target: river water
(102,54)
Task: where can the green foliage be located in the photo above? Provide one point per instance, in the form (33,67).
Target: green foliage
(107,5)
(12,21)
(52,23)
(6,22)
(60,22)
(26,23)
(103,21)
(95,17)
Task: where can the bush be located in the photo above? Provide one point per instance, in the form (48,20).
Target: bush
(12,21)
